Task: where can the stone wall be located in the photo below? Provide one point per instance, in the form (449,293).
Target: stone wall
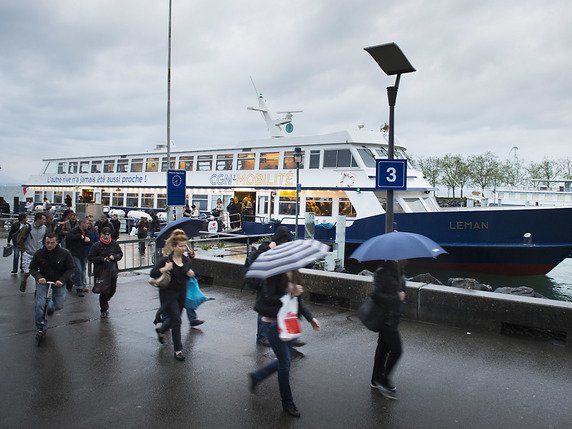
(468,309)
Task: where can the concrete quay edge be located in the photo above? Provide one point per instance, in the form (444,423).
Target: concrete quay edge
(441,305)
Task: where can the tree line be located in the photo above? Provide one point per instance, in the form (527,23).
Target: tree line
(488,170)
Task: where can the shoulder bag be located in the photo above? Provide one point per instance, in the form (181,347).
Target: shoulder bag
(371,315)
(162,281)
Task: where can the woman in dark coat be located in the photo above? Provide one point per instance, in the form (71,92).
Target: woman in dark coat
(142,231)
(389,294)
(172,297)
(267,305)
(104,256)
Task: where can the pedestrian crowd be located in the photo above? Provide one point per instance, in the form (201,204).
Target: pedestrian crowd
(56,253)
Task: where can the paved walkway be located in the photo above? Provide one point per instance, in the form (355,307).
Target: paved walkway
(113,373)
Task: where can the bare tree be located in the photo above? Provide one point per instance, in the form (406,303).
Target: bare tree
(547,169)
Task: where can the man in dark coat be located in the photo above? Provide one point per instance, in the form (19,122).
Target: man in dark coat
(78,243)
(54,264)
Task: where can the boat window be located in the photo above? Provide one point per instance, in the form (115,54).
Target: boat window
(51,168)
(58,197)
(84,167)
(122,166)
(164,163)
(38,197)
(62,166)
(118,199)
(224,161)
(269,160)
(137,165)
(400,154)
(147,200)
(339,158)
(320,206)
(96,166)
(432,204)
(105,198)
(161,201)
(287,203)
(367,157)
(132,200)
(72,168)
(381,152)
(152,165)
(204,163)
(109,166)
(186,163)
(346,208)
(314,159)
(201,201)
(289,162)
(245,161)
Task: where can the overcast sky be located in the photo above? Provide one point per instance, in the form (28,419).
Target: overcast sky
(89,77)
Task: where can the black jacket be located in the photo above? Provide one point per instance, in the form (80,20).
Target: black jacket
(116,223)
(178,287)
(52,265)
(75,242)
(386,286)
(99,252)
(268,299)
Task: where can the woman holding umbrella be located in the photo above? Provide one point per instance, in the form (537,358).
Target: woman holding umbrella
(172,297)
(279,266)
(267,305)
(389,295)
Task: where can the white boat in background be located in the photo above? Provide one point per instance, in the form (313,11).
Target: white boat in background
(548,193)
(337,178)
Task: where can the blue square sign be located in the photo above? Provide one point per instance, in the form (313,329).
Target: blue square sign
(391,174)
(176,187)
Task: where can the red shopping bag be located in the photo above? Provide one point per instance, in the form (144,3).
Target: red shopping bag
(288,323)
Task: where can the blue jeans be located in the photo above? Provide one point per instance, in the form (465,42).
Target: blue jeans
(282,350)
(56,303)
(80,273)
(191,314)
(16,261)
(259,328)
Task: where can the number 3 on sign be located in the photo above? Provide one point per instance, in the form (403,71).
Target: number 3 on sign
(391,175)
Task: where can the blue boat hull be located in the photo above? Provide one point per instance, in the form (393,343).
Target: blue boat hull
(490,241)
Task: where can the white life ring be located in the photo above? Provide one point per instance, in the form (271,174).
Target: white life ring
(347,179)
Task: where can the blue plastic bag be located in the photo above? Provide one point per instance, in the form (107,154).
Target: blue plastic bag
(194,296)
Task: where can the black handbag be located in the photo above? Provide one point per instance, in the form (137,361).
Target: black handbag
(7,251)
(102,283)
(371,315)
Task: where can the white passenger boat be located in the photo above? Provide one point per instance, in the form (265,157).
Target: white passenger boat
(336,176)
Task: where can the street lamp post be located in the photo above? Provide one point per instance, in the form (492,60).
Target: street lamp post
(393,62)
(297,160)
(169,112)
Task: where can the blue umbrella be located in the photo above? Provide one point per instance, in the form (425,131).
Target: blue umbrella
(191,226)
(395,246)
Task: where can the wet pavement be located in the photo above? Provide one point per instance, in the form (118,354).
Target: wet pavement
(114,373)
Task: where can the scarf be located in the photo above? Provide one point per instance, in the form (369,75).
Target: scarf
(104,240)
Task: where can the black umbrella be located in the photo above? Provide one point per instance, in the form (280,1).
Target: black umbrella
(287,257)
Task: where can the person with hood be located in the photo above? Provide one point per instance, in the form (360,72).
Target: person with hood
(389,295)
(233,209)
(116,223)
(51,263)
(104,255)
(268,304)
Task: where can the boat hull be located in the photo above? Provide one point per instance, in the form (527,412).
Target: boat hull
(509,242)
